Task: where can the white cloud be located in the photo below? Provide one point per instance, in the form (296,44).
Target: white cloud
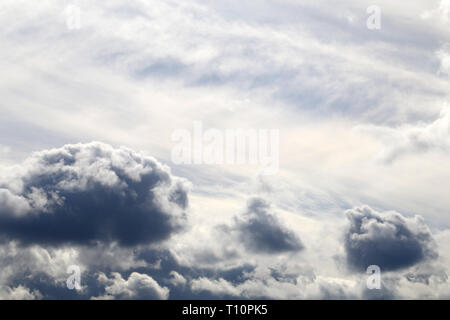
(177,279)
(444,57)
(18,293)
(137,286)
(441,13)
(413,139)
(263,285)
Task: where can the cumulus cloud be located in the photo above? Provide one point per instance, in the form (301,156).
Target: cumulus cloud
(137,286)
(177,279)
(91,192)
(19,293)
(261,284)
(387,239)
(260,230)
(424,281)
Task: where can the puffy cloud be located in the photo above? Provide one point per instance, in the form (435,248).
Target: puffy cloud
(261,231)
(138,286)
(42,270)
(177,279)
(91,192)
(424,281)
(387,239)
(219,287)
(13,204)
(424,284)
(19,293)
(21,262)
(261,284)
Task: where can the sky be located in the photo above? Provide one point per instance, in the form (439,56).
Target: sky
(114,149)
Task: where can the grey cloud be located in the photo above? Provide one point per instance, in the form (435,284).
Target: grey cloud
(427,274)
(425,277)
(258,54)
(388,240)
(92,192)
(261,231)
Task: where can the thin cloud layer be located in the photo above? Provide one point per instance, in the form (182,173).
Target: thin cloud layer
(91,192)
(408,139)
(387,239)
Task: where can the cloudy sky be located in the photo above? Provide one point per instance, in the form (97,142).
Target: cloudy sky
(93,95)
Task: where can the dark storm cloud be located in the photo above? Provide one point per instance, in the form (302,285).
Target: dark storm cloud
(261,231)
(91,192)
(388,240)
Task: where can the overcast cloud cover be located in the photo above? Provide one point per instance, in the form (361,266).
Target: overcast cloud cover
(88,110)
